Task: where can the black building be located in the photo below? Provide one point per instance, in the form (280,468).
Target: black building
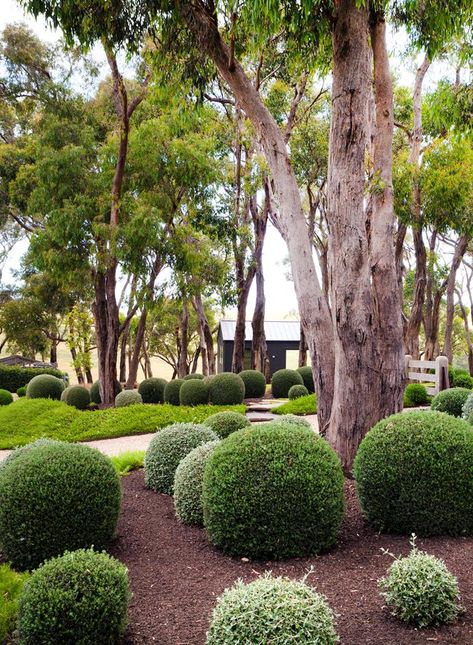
(282,338)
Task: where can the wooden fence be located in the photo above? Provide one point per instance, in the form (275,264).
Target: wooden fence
(435,372)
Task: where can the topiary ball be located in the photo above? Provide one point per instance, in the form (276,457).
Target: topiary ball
(167,448)
(271,610)
(410,475)
(296,391)
(171,391)
(419,589)
(188,482)
(282,382)
(195,375)
(5,397)
(95,391)
(226,388)
(451,401)
(56,496)
(463,380)
(127,397)
(307,377)
(152,390)
(251,484)
(292,420)
(467,409)
(45,386)
(255,383)
(224,423)
(77,396)
(21,391)
(80,597)
(194,392)
(415,394)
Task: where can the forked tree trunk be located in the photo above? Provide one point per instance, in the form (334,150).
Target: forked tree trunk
(77,369)
(137,348)
(206,338)
(106,320)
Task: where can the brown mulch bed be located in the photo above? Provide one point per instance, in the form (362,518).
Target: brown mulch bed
(176,575)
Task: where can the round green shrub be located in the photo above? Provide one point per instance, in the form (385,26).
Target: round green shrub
(194,392)
(410,475)
(450,401)
(273,491)
(226,388)
(5,397)
(79,597)
(77,396)
(127,397)
(195,375)
(271,610)
(419,589)
(188,484)
(45,386)
(167,448)
(467,409)
(282,382)
(296,391)
(224,423)
(171,391)
(292,420)
(21,391)
(463,379)
(152,390)
(307,377)
(56,496)
(255,383)
(415,394)
(18,451)
(95,391)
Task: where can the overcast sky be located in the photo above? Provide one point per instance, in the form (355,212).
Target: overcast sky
(280,297)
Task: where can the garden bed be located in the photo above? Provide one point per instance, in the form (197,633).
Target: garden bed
(176,575)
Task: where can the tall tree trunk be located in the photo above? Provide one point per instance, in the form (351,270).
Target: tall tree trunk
(123,348)
(468,337)
(206,338)
(77,369)
(53,351)
(238,357)
(302,349)
(136,353)
(183,342)
(259,348)
(460,250)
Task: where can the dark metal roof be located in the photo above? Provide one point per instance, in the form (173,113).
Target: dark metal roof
(275,330)
(16,360)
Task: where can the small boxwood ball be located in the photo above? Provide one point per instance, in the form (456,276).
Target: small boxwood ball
(5,397)
(410,475)
(79,597)
(127,397)
(152,390)
(77,396)
(255,383)
(296,391)
(188,482)
(224,423)
(171,391)
(167,448)
(307,377)
(194,392)
(45,386)
(415,394)
(21,391)
(195,375)
(273,491)
(461,378)
(271,610)
(53,497)
(226,388)
(282,382)
(292,420)
(451,401)
(95,391)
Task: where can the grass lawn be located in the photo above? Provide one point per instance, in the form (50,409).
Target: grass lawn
(26,420)
(301,406)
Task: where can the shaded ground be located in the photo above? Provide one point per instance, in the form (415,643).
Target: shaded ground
(176,576)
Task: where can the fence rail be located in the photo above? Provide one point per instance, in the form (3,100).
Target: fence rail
(438,377)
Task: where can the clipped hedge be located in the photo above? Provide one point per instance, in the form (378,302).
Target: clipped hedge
(56,496)
(171,391)
(271,610)
(302,406)
(167,448)
(226,388)
(152,390)
(194,392)
(45,386)
(5,397)
(95,391)
(224,423)
(12,378)
(80,597)
(415,394)
(307,377)
(451,401)
(274,491)
(255,383)
(127,397)
(283,380)
(77,396)
(410,475)
(297,391)
(188,482)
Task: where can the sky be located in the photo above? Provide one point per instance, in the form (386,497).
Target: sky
(281,300)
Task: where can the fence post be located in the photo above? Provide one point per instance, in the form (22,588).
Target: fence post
(443,382)
(407,360)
